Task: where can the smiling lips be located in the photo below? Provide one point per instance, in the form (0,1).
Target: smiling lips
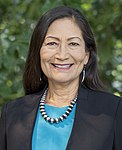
(62,66)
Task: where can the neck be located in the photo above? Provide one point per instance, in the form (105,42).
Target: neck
(61,94)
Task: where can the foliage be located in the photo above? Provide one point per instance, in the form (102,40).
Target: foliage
(18,18)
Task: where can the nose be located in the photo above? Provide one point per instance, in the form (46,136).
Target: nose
(62,52)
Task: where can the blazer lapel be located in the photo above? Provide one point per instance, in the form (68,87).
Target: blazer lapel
(29,117)
(28,120)
(76,134)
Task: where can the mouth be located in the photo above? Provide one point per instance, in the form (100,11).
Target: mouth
(62,66)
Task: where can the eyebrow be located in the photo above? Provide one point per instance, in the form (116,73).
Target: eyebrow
(68,38)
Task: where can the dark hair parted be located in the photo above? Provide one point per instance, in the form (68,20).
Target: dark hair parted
(33,71)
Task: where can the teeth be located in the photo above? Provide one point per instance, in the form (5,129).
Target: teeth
(62,66)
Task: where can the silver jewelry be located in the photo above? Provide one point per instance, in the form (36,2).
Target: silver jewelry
(55,120)
(84,73)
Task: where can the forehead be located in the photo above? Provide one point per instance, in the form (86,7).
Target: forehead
(64,27)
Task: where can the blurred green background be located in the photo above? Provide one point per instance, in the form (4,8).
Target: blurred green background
(17,21)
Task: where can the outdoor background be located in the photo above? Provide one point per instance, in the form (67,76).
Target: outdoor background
(17,21)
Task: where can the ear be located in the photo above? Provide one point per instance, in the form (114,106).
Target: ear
(86,59)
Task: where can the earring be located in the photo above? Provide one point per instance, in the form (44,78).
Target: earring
(84,73)
(40,79)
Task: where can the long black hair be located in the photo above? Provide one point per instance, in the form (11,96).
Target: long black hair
(33,71)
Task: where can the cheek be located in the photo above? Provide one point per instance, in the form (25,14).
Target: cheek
(78,56)
(44,55)
(45,58)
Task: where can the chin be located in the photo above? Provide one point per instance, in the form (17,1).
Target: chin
(63,80)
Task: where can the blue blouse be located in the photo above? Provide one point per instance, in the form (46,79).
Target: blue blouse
(48,136)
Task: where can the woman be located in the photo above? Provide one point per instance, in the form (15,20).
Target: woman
(64,106)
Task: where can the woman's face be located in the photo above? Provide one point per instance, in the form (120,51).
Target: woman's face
(63,52)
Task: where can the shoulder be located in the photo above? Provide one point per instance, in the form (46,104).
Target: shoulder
(97,95)
(22,102)
(104,96)
(103,102)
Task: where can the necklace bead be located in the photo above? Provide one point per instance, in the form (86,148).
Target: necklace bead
(55,120)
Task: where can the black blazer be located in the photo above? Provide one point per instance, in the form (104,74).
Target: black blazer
(97,124)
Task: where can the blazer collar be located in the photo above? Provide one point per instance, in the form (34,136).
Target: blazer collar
(82,98)
(32,107)
(30,116)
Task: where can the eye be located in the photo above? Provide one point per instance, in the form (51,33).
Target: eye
(52,44)
(74,44)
